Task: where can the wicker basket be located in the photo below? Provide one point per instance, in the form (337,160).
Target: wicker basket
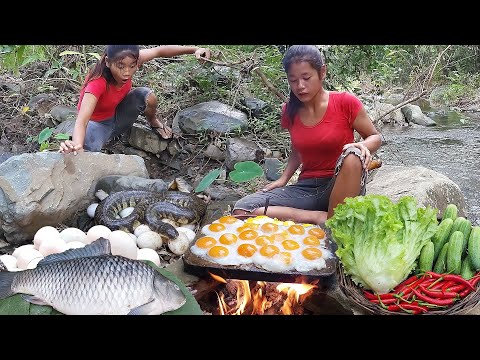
(355,294)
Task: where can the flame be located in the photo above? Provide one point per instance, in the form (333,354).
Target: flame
(258,300)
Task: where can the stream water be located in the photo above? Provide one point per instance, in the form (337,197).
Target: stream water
(451,148)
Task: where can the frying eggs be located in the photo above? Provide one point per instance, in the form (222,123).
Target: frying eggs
(268,243)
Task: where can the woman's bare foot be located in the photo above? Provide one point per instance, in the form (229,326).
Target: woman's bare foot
(163,129)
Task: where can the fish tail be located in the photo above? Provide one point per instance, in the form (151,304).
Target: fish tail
(6,280)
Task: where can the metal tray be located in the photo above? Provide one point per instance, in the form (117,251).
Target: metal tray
(199,266)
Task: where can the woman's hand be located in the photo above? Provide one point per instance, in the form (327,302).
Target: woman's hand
(275,184)
(69,146)
(366,156)
(201,54)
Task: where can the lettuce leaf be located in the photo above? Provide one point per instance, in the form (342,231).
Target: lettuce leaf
(379,240)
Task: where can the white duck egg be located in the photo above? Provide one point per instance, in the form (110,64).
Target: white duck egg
(91,209)
(179,245)
(96,232)
(73,234)
(46,232)
(26,256)
(20,249)
(150,240)
(189,226)
(9,261)
(122,244)
(52,246)
(33,264)
(75,244)
(141,229)
(190,233)
(125,212)
(148,254)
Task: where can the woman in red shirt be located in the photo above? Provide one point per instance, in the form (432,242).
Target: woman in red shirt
(108,106)
(321,124)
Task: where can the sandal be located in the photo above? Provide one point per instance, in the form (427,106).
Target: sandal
(163,130)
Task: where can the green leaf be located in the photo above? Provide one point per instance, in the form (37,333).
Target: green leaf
(45,135)
(245,171)
(207,180)
(62,136)
(44,146)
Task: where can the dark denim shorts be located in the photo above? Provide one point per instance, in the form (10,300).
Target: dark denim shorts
(100,132)
(307,194)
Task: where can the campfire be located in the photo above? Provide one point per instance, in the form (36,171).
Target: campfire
(221,296)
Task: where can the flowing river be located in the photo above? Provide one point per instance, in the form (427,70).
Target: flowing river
(451,148)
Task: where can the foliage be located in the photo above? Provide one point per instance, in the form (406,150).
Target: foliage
(13,57)
(243,171)
(46,136)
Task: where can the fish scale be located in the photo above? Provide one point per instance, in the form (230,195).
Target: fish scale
(92,281)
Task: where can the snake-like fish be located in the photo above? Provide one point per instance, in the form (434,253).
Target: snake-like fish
(150,208)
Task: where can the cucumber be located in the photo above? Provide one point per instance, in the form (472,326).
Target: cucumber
(465,226)
(441,236)
(454,254)
(450,212)
(425,262)
(441,263)
(467,271)
(474,247)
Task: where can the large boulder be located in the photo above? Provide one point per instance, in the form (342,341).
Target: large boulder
(48,188)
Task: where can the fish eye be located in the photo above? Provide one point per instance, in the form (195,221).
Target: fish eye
(176,287)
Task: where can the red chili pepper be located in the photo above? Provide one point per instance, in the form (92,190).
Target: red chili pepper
(410,280)
(474,280)
(394,308)
(465,292)
(407,288)
(458,279)
(371,296)
(434,274)
(457,288)
(417,309)
(431,300)
(384,301)
(447,284)
(438,294)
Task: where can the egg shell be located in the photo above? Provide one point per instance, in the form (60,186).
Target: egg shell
(52,246)
(125,212)
(122,244)
(18,250)
(189,232)
(73,234)
(148,254)
(45,232)
(26,256)
(141,229)
(9,261)
(179,245)
(75,244)
(91,210)
(33,264)
(96,232)
(150,240)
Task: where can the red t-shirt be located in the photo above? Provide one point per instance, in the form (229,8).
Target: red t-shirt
(108,97)
(320,146)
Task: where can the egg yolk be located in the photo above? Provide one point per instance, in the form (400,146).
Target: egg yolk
(269,250)
(296,230)
(263,240)
(278,237)
(206,242)
(316,232)
(218,251)
(290,245)
(311,240)
(312,253)
(248,234)
(269,227)
(247,250)
(227,219)
(216,227)
(228,239)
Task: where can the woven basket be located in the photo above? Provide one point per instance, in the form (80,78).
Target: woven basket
(355,294)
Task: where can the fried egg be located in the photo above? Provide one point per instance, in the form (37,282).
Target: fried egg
(202,245)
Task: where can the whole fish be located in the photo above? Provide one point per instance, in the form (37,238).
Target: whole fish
(92,281)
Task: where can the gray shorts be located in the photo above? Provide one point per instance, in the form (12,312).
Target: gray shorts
(100,132)
(308,194)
